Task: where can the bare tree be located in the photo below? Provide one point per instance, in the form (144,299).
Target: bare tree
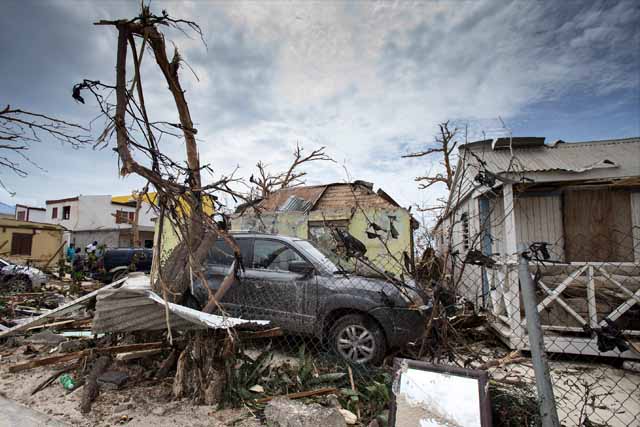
(267,182)
(445,145)
(20,128)
(181,194)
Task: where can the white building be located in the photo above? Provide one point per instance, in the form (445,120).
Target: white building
(30,213)
(583,199)
(101,219)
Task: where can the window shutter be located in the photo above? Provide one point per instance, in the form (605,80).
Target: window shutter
(21,244)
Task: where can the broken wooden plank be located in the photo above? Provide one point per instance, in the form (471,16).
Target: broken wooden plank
(131,355)
(67,308)
(273,332)
(52,378)
(51,325)
(301,394)
(52,360)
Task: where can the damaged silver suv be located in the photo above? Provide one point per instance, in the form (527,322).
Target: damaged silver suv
(291,283)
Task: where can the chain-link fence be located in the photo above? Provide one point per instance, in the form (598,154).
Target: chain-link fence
(587,290)
(339,317)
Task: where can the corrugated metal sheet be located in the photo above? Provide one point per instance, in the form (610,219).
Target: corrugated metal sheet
(570,157)
(295,204)
(279,198)
(134,307)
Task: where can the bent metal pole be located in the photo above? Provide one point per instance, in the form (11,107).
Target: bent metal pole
(546,398)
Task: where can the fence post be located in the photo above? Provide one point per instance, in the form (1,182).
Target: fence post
(546,399)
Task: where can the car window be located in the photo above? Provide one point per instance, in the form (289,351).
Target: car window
(222,254)
(273,255)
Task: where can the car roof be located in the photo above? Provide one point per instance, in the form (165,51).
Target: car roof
(253,234)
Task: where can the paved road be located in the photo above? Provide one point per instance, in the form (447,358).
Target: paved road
(13,414)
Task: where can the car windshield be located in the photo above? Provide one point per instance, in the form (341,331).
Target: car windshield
(317,256)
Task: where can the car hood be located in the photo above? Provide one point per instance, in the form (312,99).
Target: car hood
(22,269)
(352,282)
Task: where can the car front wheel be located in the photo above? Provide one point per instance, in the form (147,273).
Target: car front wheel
(358,339)
(19,284)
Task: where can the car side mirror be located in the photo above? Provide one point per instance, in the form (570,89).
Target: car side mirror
(301,267)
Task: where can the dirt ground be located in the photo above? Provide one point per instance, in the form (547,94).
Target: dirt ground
(606,394)
(144,403)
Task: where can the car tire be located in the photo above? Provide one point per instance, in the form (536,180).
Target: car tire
(358,339)
(19,284)
(118,275)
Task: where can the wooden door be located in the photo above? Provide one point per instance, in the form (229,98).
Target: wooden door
(597,225)
(21,243)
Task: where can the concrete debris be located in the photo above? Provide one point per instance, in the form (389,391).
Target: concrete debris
(113,380)
(631,366)
(283,412)
(45,337)
(349,417)
(159,411)
(72,346)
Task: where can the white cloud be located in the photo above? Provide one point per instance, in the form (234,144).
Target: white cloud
(370,80)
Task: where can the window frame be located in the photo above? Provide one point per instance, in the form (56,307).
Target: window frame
(66,212)
(249,257)
(54,213)
(282,243)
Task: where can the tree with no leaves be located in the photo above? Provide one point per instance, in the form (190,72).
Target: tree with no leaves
(181,194)
(20,128)
(445,145)
(444,148)
(267,182)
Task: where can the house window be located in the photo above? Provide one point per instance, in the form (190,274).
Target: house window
(464,218)
(66,212)
(122,217)
(132,216)
(597,225)
(21,244)
(54,213)
(21,216)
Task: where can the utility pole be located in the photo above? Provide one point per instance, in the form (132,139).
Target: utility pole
(546,399)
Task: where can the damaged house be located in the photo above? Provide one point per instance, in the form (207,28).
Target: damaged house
(308,212)
(583,199)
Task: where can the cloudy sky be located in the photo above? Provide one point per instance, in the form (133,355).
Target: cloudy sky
(368,80)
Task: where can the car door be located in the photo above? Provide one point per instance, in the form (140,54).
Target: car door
(275,293)
(215,269)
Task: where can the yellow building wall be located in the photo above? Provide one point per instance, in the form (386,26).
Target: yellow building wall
(385,253)
(296,224)
(44,245)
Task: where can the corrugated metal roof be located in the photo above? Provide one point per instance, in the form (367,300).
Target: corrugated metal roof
(279,198)
(295,204)
(134,307)
(573,157)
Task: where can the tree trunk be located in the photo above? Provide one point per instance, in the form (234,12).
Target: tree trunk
(200,371)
